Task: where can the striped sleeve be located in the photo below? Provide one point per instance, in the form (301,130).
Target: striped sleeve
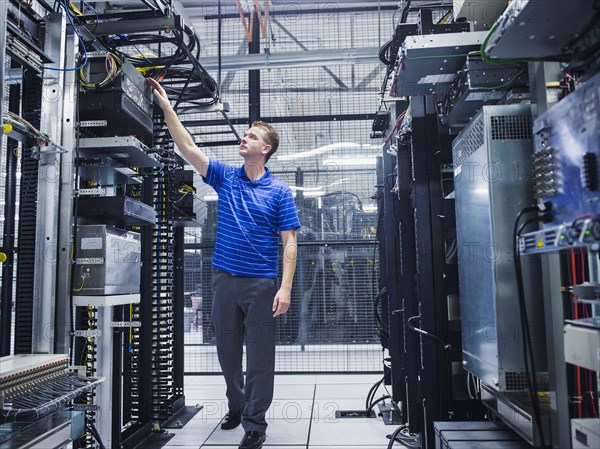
(215,173)
(287,214)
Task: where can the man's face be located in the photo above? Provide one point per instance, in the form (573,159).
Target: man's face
(253,144)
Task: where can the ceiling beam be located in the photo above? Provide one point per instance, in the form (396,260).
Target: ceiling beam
(279,119)
(310,58)
(207,10)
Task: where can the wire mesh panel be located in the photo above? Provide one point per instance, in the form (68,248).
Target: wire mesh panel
(330,326)
(324,117)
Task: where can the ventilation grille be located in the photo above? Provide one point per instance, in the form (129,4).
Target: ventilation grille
(469,141)
(517,381)
(511,127)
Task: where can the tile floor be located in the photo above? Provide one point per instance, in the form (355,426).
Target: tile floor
(301,416)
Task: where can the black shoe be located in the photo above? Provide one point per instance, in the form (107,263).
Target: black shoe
(253,440)
(231,420)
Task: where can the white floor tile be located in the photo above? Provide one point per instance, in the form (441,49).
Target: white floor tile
(220,446)
(349,432)
(325,409)
(288,432)
(279,432)
(290,409)
(289,415)
(230,446)
(295,379)
(225,437)
(342,391)
(205,391)
(212,409)
(382,446)
(180,447)
(195,432)
(336,379)
(267,445)
(294,391)
(204,380)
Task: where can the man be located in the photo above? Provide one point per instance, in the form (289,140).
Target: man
(254,209)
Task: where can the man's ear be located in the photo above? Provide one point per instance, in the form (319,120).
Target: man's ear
(266,149)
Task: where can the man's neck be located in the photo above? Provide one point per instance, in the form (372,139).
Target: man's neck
(254,170)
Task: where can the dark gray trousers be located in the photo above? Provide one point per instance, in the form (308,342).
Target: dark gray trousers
(242,309)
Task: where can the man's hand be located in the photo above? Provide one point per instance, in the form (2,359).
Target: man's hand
(281,304)
(184,141)
(159,93)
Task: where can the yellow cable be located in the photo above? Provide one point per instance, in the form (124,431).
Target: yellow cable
(445,17)
(74,8)
(81,287)
(192,189)
(113,63)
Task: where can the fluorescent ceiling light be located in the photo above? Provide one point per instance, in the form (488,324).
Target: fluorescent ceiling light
(344,161)
(211,197)
(311,194)
(309,189)
(314,194)
(339,146)
(305,189)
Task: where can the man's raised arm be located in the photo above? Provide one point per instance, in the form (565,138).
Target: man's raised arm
(180,135)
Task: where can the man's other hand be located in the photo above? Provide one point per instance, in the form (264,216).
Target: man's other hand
(281,304)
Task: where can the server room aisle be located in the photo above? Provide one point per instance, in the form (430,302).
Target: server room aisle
(302,414)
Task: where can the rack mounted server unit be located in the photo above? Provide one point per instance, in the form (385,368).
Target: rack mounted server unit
(107,261)
(567,158)
(121,108)
(492,184)
(566,169)
(116,210)
(479,83)
(25,36)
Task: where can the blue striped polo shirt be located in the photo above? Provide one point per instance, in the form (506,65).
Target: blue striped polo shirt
(251,214)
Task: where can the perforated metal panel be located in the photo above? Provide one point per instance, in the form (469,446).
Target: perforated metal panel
(511,127)
(469,141)
(517,381)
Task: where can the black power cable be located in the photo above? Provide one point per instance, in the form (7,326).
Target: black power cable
(384,51)
(407,440)
(446,348)
(425,333)
(374,403)
(372,392)
(529,359)
(183,83)
(405,12)
(92,428)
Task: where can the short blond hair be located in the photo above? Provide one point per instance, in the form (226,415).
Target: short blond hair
(271,137)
